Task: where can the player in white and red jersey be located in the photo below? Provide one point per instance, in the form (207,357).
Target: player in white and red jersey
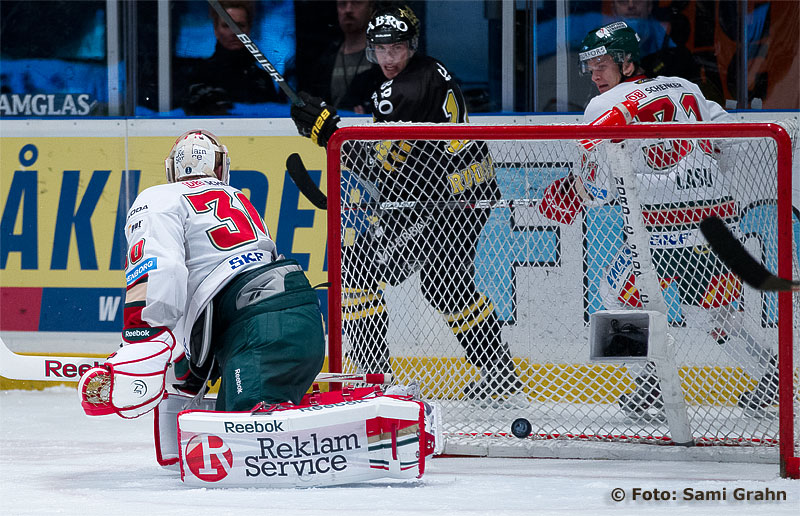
(206,288)
(679,183)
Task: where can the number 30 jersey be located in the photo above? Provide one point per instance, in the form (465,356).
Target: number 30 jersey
(186,240)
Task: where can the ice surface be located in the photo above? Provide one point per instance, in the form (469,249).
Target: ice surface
(55,460)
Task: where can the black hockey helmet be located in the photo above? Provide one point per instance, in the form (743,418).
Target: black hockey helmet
(392,25)
(617,39)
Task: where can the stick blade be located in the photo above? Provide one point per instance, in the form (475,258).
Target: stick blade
(731,251)
(299,175)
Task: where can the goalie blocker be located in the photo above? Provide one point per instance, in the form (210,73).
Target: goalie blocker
(331,438)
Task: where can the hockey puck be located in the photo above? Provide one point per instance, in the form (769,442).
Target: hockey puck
(521,428)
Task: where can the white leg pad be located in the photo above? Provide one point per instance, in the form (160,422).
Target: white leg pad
(318,445)
(165,429)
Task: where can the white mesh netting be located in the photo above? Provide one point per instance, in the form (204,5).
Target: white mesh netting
(453,277)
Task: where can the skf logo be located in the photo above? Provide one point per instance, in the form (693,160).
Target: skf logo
(245,258)
(318,125)
(208,457)
(670,240)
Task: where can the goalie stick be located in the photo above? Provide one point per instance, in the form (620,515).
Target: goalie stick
(65,369)
(257,54)
(733,254)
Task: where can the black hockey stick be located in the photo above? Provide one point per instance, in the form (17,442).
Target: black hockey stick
(731,251)
(257,54)
(299,174)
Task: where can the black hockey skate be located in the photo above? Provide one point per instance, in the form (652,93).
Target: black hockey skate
(645,402)
(756,403)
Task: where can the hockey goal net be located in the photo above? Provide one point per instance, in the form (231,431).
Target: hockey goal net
(403,212)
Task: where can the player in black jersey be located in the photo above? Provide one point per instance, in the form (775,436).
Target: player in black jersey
(439,235)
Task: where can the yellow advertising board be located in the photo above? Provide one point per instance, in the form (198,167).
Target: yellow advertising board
(64,198)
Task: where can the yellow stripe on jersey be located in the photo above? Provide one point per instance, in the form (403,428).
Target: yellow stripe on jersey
(360,304)
(470,316)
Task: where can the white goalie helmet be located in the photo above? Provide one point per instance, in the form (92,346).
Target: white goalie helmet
(197,153)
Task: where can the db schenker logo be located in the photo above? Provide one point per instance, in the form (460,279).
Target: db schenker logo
(208,457)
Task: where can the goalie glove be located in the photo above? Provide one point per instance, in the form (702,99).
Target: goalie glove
(132,380)
(315,119)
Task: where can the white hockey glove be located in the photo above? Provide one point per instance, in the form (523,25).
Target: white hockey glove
(132,380)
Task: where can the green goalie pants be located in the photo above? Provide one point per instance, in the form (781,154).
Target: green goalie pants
(269,339)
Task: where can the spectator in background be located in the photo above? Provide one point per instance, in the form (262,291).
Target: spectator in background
(344,75)
(231,75)
(664,32)
(638,14)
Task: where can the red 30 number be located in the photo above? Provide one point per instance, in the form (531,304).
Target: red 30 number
(238,227)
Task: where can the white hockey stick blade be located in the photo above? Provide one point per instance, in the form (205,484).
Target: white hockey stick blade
(44,368)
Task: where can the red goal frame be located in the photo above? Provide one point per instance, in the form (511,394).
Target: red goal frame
(789,461)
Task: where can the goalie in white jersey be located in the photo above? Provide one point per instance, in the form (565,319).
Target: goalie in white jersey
(207,296)
(679,183)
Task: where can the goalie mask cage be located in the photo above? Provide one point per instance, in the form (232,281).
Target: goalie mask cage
(543,279)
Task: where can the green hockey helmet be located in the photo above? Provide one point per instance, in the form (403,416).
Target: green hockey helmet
(615,39)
